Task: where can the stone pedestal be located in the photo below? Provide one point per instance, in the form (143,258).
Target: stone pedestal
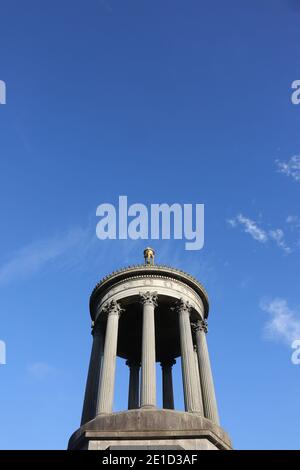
(150,427)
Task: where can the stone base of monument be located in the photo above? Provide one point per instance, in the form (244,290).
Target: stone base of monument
(150,429)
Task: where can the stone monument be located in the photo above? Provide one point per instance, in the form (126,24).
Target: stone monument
(148,314)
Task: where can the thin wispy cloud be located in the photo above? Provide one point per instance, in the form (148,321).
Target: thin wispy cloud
(41,370)
(30,259)
(278,236)
(77,248)
(284,322)
(293,221)
(107,7)
(259,234)
(249,226)
(290,168)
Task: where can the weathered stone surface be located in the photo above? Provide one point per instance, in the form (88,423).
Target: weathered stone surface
(150,427)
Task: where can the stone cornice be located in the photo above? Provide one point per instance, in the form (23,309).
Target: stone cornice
(147,271)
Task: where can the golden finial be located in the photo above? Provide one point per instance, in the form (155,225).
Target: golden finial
(149,255)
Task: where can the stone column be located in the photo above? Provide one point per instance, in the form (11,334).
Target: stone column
(198,376)
(106,390)
(148,379)
(167,383)
(206,379)
(191,396)
(134,379)
(92,383)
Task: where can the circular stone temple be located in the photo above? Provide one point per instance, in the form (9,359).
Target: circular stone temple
(147,314)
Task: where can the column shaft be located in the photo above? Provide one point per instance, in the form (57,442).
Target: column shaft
(106,390)
(206,378)
(167,384)
(134,379)
(148,379)
(191,397)
(199,390)
(92,383)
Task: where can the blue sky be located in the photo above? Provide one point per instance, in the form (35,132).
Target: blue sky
(162,101)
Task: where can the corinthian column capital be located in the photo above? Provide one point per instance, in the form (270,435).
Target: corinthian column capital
(200,325)
(183,306)
(148,298)
(112,308)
